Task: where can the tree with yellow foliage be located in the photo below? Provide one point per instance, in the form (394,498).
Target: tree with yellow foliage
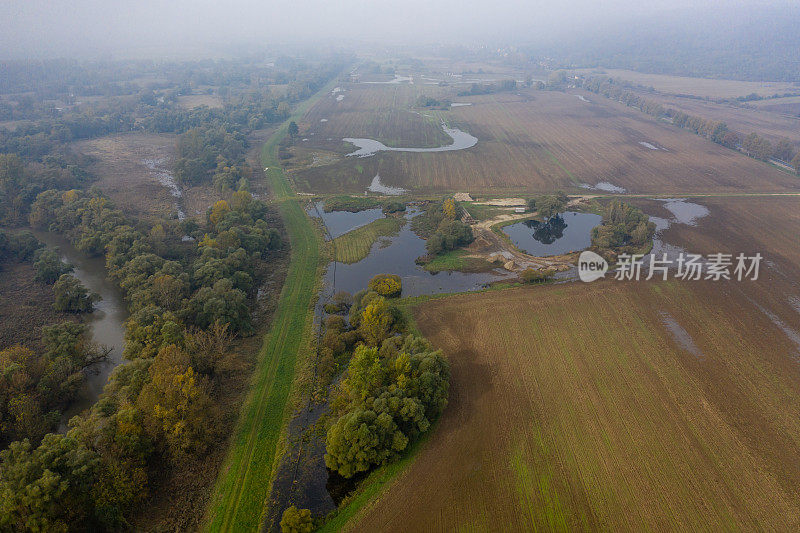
(218,212)
(387,285)
(376,322)
(449,208)
(178,409)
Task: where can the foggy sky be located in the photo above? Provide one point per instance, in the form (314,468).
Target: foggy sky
(131,28)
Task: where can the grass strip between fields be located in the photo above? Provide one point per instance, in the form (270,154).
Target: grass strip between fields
(244,480)
(458,261)
(355,245)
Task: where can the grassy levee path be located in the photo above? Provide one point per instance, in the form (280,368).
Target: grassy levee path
(244,480)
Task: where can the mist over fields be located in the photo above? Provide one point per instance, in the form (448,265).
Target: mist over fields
(617,33)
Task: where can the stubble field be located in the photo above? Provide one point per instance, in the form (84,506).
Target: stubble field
(535,141)
(703,87)
(622,406)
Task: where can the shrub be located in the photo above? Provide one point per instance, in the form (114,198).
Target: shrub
(387,285)
(392,395)
(49,266)
(393,206)
(531,275)
(624,227)
(448,236)
(296,520)
(71,296)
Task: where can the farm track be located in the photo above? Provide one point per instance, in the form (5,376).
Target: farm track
(243,483)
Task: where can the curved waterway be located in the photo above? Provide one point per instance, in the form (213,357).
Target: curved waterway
(341,222)
(367,147)
(396,255)
(106,324)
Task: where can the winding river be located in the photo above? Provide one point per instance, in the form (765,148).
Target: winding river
(106,323)
(367,147)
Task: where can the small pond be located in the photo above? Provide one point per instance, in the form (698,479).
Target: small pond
(568,232)
(340,222)
(396,255)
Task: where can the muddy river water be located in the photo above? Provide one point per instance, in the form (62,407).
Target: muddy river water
(106,324)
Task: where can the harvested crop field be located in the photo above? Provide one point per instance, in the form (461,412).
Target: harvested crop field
(574,407)
(382,112)
(623,406)
(744,120)
(787,106)
(703,87)
(546,140)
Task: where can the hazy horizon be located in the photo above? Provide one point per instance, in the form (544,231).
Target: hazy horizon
(147,28)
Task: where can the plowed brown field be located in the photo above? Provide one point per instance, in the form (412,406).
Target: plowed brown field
(579,406)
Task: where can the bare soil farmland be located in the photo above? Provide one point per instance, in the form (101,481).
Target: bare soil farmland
(534,141)
(581,406)
(703,87)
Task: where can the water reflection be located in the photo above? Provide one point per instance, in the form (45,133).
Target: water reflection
(547,232)
(396,255)
(340,222)
(560,234)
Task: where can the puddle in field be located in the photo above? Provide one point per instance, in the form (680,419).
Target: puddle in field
(683,212)
(649,146)
(165,178)
(790,332)
(603,186)
(340,222)
(367,147)
(323,120)
(582,98)
(679,335)
(397,79)
(568,232)
(378,187)
(460,104)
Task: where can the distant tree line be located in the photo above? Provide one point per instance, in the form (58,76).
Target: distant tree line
(753,144)
(489,88)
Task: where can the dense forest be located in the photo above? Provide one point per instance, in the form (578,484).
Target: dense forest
(190,285)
